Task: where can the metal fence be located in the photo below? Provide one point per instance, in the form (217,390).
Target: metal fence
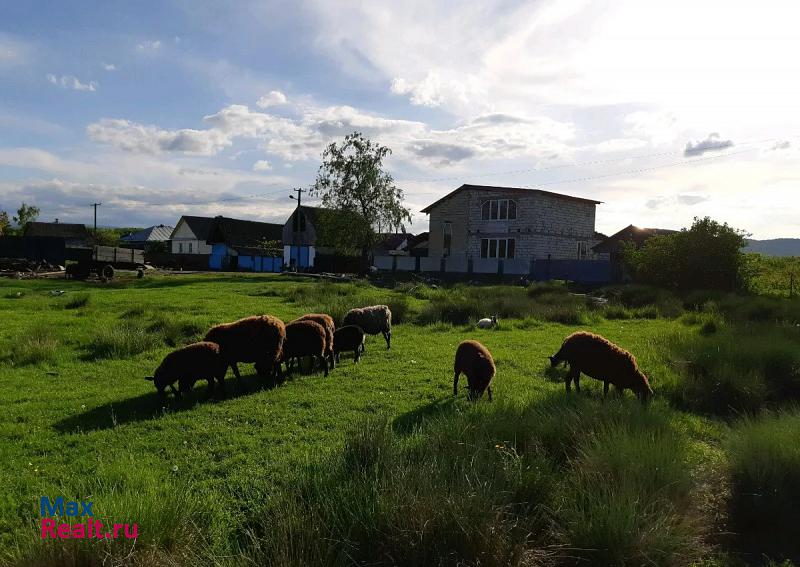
(584,271)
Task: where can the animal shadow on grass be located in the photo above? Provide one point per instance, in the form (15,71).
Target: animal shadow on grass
(405,423)
(145,407)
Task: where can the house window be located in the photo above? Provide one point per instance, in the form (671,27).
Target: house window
(499,209)
(447,238)
(190,248)
(180,247)
(498,247)
(583,250)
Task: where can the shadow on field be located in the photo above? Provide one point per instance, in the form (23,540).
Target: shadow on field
(178,280)
(147,406)
(406,422)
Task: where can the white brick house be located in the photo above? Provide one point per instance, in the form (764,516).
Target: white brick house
(484,223)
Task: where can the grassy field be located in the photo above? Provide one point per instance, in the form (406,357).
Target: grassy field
(377,464)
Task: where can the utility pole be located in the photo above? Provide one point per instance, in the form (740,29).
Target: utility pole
(95,205)
(297,221)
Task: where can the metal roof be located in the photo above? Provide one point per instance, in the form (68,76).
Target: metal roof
(521,190)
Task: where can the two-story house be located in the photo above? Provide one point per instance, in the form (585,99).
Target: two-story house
(484,224)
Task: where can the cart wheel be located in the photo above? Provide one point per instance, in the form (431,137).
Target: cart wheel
(140,273)
(108,272)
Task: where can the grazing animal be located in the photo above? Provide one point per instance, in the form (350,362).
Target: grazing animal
(256,339)
(349,338)
(327,323)
(488,322)
(187,365)
(305,338)
(474,360)
(373,320)
(599,358)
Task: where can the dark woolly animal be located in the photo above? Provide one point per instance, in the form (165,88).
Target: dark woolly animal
(474,360)
(602,360)
(327,323)
(305,338)
(256,339)
(349,338)
(187,365)
(373,320)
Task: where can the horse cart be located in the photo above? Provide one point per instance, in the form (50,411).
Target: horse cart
(103,261)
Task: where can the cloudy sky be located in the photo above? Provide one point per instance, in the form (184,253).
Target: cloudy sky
(663,110)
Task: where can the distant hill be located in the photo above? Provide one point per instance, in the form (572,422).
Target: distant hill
(775,247)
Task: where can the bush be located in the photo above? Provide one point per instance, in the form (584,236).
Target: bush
(37,346)
(122,341)
(77,301)
(176,332)
(765,474)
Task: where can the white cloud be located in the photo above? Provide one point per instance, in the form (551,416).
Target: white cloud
(262,165)
(71,82)
(712,143)
(272,98)
(133,137)
(109,66)
(149,46)
(620,145)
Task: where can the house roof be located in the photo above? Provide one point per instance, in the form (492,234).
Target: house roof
(630,233)
(58,229)
(519,190)
(419,241)
(243,233)
(200,226)
(392,240)
(158,233)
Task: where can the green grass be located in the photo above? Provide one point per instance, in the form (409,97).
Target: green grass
(765,470)
(290,475)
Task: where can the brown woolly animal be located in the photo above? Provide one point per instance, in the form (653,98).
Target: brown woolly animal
(189,364)
(327,323)
(373,320)
(256,339)
(599,358)
(305,338)
(349,338)
(474,360)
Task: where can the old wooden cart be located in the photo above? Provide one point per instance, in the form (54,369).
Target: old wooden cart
(103,261)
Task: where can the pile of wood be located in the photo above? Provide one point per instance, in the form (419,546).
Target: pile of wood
(23,267)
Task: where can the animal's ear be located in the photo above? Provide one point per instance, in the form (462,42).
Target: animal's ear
(150,378)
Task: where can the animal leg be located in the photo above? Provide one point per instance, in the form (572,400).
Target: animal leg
(489,392)
(388,336)
(573,374)
(324,364)
(236,371)
(577,380)
(455,383)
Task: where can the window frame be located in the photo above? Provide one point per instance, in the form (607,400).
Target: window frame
(494,209)
(491,247)
(582,250)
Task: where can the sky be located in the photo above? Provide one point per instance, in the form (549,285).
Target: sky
(664,111)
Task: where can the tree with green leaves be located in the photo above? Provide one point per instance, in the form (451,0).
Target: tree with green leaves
(706,256)
(352,181)
(5,223)
(26,214)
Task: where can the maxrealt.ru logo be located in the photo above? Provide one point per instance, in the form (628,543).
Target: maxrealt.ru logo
(90,529)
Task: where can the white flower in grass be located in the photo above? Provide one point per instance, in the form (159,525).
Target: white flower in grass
(174,468)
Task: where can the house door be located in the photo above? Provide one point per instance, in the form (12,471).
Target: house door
(303,263)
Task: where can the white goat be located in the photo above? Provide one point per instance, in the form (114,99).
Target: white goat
(488,322)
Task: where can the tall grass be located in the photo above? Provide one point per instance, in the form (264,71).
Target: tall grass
(555,481)
(732,369)
(36,346)
(77,301)
(765,473)
(122,340)
(460,304)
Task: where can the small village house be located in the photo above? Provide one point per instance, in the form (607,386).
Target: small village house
(488,229)
(612,246)
(190,235)
(148,237)
(242,245)
(74,235)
